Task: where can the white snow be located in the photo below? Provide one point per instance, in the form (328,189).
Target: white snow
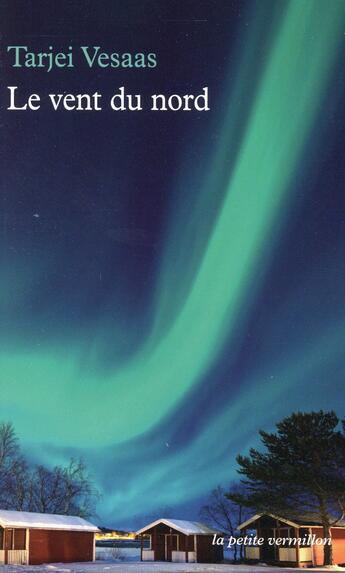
(44,521)
(137,567)
(187,527)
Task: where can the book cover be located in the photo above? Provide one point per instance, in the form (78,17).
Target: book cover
(172,279)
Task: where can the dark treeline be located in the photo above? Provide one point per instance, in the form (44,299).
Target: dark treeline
(66,490)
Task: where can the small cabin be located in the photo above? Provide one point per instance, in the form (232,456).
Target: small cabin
(179,541)
(33,538)
(307,529)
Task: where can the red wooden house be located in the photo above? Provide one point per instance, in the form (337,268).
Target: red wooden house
(306,528)
(33,538)
(179,541)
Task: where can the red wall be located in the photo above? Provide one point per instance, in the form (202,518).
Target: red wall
(338,537)
(47,546)
(208,553)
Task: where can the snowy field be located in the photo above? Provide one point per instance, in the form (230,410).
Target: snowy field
(137,567)
(126,560)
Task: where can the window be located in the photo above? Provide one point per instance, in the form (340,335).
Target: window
(305,537)
(15,539)
(8,539)
(284,533)
(19,539)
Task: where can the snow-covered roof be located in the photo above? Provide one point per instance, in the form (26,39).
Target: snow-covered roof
(258,515)
(44,521)
(186,527)
(297,520)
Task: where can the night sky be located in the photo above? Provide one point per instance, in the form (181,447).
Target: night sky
(171,282)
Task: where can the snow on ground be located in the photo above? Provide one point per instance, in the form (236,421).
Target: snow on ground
(127,560)
(137,567)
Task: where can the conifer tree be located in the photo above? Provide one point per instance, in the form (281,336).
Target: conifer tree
(299,470)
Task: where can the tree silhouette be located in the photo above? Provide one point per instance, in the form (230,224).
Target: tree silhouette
(300,470)
(66,490)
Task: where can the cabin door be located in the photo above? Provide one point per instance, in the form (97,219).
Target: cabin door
(8,545)
(160,548)
(171,545)
(267,551)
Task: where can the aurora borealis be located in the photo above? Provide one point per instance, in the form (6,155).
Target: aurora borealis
(172,283)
